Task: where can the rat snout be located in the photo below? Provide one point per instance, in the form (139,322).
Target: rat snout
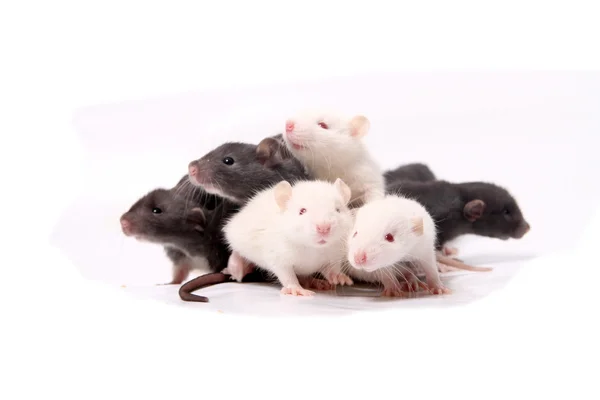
(324,229)
(289,126)
(523,228)
(195,173)
(126,226)
(360,257)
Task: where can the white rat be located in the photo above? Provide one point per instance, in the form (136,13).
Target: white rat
(295,231)
(330,146)
(388,233)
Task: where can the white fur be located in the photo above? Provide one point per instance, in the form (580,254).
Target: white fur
(397,216)
(334,153)
(286,243)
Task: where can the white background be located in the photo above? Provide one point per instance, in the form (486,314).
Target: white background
(67,336)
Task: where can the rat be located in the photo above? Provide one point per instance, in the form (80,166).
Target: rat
(330,145)
(237,171)
(295,231)
(409,172)
(478,208)
(187,222)
(388,233)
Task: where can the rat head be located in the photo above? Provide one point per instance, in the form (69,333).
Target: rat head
(379,239)
(492,211)
(309,134)
(238,170)
(314,213)
(163,217)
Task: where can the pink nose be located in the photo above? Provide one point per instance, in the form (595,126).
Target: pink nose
(289,127)
(125,226)
(324,229)
(193,170)
(360,257)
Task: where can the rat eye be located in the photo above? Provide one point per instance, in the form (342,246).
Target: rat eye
(355,233)
(389,237)
(337,209)
(323,125)
(506,211)
(302,211)
(156,210)
(228,161)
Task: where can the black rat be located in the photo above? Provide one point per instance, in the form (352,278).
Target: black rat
(187,221)
(409,172)
(477,208)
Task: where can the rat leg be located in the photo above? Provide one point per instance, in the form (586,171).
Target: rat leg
(288,279)
(391,287)
(311,282)
(334,275)
(238,267)
(180,273)
(432,276)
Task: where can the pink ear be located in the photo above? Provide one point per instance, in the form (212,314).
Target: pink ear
(474,210)
(343,189)
(359,126)
(283,193)
(417,225)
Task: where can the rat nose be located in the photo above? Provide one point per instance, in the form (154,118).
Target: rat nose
(126,226)
(360,257)
(193,170)
(289,126)
(324,229)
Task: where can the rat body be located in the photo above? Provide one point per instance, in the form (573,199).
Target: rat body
(330,147)
(387,234)
(477,208)
(409,172)
(187,222)
(237,171)
(295,231)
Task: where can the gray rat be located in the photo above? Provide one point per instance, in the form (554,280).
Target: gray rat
(477,208)
(409,172)
(187,221)
(237,171)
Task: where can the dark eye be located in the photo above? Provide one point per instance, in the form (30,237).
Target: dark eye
(506,211)
(302,211)
(355,233)
(389,237)
(337,209)
(228,161)
(156,210)
(323,125)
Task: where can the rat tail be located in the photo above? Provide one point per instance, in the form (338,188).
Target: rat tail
(460,265)
(185,291)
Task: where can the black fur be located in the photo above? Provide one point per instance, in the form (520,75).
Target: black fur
(409,172)
(446,202)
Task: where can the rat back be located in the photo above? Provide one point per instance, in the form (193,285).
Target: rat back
(409,172)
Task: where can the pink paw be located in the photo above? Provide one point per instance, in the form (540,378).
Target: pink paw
(295,290)
(338,278)
(314,283)
(412,285)
(440,290)
(393,292)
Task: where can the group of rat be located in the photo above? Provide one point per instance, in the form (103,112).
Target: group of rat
(311,209)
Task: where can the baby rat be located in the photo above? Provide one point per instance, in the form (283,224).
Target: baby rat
(330,147)
(237,171)
(388,233)
(409,172)
(294,231)
(478,208)
(188,225)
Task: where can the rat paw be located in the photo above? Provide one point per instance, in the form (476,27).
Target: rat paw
(440,289)
(338,278)
(394,292)
(443,268)
(296,290)
(317,284)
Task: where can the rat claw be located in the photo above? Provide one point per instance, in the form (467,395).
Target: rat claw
(296,290)
(338,278)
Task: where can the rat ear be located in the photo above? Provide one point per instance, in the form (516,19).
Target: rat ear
(268,152)
(474,210)
(359,126)
(283,193)
(196,216)
(416,225)
(344,190)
